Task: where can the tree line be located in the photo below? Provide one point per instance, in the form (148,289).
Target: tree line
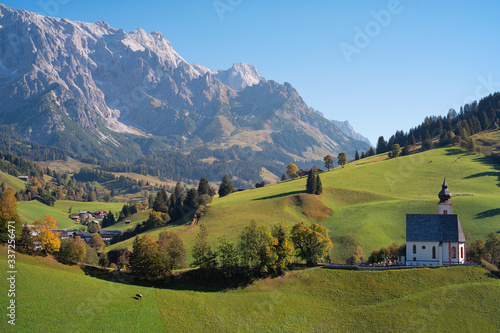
(260,251)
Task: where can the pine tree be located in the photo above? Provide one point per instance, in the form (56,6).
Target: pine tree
(319,186)
(160,204)
(178,190)
(283,177)
(311,182)
(226,187)
(427,144)
(191,199)
(172,202)
(371,152)
(203,186)
(356,156)
(381,145)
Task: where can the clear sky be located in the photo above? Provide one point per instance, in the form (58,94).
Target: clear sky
(382,65)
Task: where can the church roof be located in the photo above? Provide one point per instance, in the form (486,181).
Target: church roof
(445,194)
(433,228)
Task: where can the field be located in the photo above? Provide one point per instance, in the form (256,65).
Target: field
(134,219)
(51,297)
(29,211)
(12,182)
(368,199)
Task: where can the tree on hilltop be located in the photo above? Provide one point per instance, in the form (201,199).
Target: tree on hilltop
(203,186)
(291,171)
(328,159)
(342,159)
(226,187)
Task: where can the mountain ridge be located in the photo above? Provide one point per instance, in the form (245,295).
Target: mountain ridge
(95,90)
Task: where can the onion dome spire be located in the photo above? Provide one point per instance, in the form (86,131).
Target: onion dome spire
(444,195)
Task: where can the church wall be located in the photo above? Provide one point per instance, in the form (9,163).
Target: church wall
(447,246)
(423,255)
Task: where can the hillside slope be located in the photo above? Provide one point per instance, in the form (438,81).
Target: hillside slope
(52,297)
(368,199)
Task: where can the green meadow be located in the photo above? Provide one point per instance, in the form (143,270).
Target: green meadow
(51,297)
(14,183)
(29,211)
(366,202)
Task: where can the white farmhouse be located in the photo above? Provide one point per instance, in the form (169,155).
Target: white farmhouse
(436,239)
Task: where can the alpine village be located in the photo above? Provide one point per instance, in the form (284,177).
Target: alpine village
(143,193)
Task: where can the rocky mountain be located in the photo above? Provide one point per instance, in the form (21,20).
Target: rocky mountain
(348,130)
(98,91)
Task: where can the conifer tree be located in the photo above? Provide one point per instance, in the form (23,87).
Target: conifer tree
(203,186)
(191,199)
(178,190)
(172,203)
(226,187)
(311,182)
(356,156)
(319,186)
(283,177)
(381,145)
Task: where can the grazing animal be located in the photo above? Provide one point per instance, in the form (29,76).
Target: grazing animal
(139,296)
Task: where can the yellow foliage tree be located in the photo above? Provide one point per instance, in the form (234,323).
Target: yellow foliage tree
(8,212)
(49,240)
(312,243)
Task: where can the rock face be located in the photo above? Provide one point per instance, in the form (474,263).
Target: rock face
(91,88)
(348,130)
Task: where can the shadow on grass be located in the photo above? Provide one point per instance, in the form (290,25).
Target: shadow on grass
(488,213)
(286,194)
(457,151)
(190,280)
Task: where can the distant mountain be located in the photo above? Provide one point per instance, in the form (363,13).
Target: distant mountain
(348,130)
(97,91)
(345,127)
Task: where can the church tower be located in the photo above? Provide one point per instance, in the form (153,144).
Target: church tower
(444,205)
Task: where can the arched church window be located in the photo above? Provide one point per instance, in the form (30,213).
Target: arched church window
(453,252)
(433,252)
(414,248)
(461,252)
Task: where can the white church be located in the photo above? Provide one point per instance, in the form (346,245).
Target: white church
(434,239)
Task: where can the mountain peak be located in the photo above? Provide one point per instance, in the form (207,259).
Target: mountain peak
(239,76)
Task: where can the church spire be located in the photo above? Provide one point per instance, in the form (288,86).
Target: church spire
(444,205)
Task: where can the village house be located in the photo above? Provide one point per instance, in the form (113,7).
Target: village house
(107,235)
(434,239)
(25,178)
(100,214)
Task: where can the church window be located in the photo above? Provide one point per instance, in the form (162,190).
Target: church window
(453,252)
(423,247)
(461,252)
(414,248)
(445,212)
(433,252)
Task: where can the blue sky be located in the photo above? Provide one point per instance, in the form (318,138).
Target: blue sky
(382,65)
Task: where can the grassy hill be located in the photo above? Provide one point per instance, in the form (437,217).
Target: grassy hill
(52,297)
(12,182)
(368,200)
(29,211)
